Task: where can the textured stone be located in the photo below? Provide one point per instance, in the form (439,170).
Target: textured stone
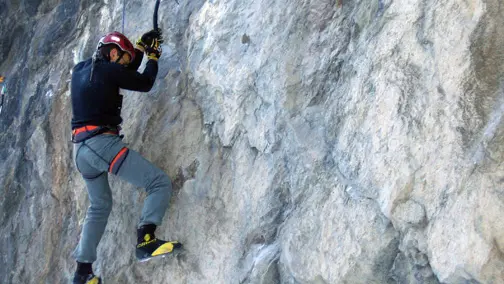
(408,214)
(308,141)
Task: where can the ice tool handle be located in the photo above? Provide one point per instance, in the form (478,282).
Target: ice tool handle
(156,8)
(155,18)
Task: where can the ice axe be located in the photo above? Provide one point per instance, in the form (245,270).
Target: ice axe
(155,18)
(156,8)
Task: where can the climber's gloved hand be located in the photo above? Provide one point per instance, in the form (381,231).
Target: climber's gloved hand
(154,50)
(147,39)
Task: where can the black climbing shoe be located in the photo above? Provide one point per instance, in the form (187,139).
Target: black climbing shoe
(86,279)
(153,248)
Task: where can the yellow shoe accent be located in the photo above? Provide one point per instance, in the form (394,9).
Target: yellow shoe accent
(95,280)
(148,240)
(164,249)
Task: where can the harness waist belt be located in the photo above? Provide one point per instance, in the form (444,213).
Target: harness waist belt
(83,133)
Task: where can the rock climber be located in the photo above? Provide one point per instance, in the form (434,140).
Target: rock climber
(99,149)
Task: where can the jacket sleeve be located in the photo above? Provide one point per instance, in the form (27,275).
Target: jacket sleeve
(133,80)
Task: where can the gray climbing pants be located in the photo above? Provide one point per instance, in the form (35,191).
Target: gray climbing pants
(95,158)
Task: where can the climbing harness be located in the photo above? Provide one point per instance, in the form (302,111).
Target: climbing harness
(82,134)
(89,131)
(113,167)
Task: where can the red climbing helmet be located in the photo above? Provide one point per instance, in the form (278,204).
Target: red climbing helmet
(120,41)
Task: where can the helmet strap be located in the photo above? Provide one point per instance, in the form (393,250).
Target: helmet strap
(121,54)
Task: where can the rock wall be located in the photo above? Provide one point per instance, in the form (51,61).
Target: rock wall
(308,141)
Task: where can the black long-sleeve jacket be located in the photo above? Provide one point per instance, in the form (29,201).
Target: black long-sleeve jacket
(96,100)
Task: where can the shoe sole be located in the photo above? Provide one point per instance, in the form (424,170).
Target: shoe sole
(174,253)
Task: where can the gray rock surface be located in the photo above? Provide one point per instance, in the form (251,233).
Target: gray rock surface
(308,142)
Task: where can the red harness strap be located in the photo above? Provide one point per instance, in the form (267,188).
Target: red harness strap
(118,160)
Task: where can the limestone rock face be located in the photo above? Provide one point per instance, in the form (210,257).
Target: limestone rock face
(308,142)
